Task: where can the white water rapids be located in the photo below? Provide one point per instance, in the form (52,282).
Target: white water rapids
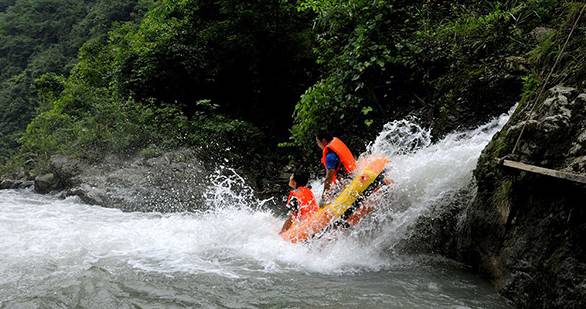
(61,253)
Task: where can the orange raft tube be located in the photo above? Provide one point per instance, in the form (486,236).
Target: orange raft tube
(366,173)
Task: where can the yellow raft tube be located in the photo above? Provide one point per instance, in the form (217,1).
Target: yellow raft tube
(366,173)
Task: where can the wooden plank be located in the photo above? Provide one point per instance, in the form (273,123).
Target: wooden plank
(545,171)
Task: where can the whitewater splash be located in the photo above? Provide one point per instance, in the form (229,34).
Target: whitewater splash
(424,173)
(238,226)
(60,253)
(56,251)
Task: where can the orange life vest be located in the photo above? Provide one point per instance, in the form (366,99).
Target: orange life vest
(345,155)
(306,202)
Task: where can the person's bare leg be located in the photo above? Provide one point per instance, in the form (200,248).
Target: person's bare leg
(287,224)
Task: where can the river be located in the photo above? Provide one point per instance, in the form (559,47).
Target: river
(58,253)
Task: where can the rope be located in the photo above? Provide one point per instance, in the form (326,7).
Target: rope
(557,60)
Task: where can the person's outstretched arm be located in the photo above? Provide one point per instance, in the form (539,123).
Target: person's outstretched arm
(330,173)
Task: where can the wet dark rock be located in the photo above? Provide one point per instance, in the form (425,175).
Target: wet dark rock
(541,33)
(46,183)
(89,195)
(526,231)
(434,230)
(65,169)
(174,181)
(15,184)
(6,184)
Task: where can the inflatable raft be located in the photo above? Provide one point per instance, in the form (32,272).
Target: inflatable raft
(345,209)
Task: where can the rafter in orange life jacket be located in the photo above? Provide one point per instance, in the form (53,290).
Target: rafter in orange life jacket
(306,203)
(343,152)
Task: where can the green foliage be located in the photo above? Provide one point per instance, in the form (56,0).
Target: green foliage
(102,125)
(221,134)
(191,73)
(324,106)
(570,71)
(43,36)
(244,56)
(110,77)
(48,87)
(86,118)
(571,68)
(530,86)
(453,63)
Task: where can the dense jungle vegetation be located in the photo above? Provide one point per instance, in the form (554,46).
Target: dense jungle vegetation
(251,78)
(39,43)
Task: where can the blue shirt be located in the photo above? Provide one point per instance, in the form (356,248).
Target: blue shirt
(332,160)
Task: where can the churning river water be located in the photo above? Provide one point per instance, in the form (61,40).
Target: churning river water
(61,253)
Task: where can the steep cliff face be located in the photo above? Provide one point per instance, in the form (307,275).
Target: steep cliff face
(525,230)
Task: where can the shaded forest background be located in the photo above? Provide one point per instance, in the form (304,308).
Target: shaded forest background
(252,81)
